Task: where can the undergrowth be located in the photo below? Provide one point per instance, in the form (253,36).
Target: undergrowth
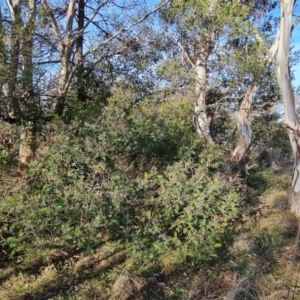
(132,205)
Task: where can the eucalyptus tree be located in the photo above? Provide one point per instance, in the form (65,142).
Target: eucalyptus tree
(282,47)
(98,24)
(195,26)
(18,95)
(217,45)
(279,55)
(48,48)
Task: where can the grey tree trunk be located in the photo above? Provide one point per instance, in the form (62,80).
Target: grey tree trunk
(21,58)
(201,118)
(28,135)
(244,133)
(66,46)
(206,45)
(27,144)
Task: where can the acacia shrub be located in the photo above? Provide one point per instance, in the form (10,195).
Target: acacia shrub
(192,212)
(87,190)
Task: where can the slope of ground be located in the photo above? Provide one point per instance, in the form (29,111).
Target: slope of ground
(263,263)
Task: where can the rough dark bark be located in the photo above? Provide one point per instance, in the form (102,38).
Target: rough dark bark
(81,96)
(28,134)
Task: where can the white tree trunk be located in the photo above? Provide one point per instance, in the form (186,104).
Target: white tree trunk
(202,121)
(287,93)
(244,134)
(63,85)
(206,45)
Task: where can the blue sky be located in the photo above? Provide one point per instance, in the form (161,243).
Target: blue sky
(295,42)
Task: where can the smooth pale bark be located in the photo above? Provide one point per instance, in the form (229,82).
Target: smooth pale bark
(201,118)
(244,134)
(206,44)
(27,144)
(65,50)
(287,93)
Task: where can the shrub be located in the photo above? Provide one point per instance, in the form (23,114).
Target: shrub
(130,177)
(191,212)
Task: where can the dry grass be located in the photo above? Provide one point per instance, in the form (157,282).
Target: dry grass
(263,263)
(267,261)
(66,277)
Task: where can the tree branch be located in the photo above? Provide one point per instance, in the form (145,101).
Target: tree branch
(11,8)
(124,29)
(70,17)
(94,15)
(55,25)
(185,54)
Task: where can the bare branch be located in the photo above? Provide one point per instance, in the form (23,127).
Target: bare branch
(124,29)
(11,8)
(224,98)
(274,48)
(186,55)
(94,15)
(47,62)
(55,26)
(297,21)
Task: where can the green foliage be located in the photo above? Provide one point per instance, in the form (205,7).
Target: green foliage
(8,145)
(216,13)
(138,174)
(268,130)
(262,179)
(191,212)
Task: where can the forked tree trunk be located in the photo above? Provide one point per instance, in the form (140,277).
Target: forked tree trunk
(287,93)
(65,76)
(66,45)
(244,134)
